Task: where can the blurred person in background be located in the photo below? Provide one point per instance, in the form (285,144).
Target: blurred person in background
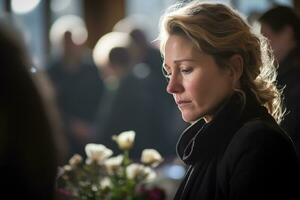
(126,103)
(146,66)
(29,133)
(76,80)
(120,107)
(281,25)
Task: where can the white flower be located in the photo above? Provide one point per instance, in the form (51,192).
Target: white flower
(151,157)
(94,188)
(67,168)
(150,174)
(134,170)
(113,164)
(97,153)
(75,160)
(125,140)
(105,183)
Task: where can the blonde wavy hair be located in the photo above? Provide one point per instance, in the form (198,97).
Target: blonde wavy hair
(222,32)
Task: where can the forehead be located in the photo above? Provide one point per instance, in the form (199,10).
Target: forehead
(180,47)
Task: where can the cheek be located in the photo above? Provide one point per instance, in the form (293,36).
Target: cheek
(200,89)
(222,88)
(210,90)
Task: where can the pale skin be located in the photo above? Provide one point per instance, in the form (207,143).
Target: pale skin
(196,82)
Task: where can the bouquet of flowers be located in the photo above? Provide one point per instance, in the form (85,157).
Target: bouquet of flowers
(102,177)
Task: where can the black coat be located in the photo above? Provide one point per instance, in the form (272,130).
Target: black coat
(240,155)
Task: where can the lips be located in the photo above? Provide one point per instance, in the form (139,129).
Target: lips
(182,103)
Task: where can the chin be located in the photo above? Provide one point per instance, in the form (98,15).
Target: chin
(189,119)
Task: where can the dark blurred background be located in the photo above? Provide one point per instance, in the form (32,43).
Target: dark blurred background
(35,17)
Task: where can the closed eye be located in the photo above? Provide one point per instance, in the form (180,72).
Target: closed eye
(186,70)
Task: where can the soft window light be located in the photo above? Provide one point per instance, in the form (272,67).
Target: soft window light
(22,7)
(59,5)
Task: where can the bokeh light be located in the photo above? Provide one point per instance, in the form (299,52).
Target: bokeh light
(23,7)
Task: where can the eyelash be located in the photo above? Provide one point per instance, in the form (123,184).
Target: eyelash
(184,71)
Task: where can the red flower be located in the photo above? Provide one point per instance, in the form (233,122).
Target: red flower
(154,193)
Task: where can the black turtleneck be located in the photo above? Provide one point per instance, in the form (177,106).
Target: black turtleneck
(231,156)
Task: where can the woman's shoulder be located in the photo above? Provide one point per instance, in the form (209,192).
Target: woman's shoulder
(260,155)
(264,137)
(260,132)
(260,129)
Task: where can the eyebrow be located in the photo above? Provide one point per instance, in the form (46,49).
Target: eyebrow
(184,60)
(181,60)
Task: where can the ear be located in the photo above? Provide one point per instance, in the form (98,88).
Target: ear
(236,69)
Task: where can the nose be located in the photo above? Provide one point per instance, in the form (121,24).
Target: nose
(174,85)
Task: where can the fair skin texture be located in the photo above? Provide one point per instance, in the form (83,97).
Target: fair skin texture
(196,82)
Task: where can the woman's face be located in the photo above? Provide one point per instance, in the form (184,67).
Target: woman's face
(196,82)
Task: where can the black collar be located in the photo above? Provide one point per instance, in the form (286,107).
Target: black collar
(203,140)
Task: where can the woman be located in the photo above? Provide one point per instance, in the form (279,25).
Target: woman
(221,76)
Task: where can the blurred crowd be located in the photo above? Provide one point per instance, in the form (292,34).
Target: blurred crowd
(116,86)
